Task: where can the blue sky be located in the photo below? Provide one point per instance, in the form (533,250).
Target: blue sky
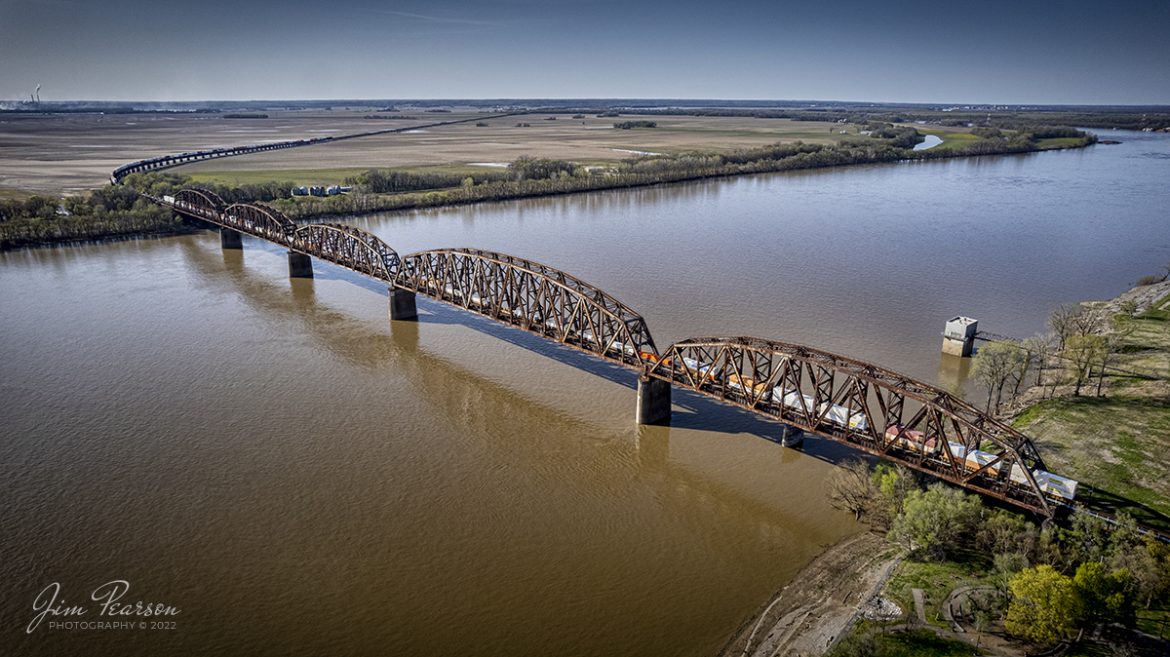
(1026,51)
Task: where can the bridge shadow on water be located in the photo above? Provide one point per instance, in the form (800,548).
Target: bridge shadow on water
(691,411)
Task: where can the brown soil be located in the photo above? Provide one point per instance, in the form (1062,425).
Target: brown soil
(806,616)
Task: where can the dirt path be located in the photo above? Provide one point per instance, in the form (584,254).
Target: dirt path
(804,617)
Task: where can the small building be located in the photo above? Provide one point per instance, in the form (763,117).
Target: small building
(959,336)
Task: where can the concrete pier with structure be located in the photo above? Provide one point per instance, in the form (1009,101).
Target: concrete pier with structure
(653,401)
(230,239)
(402,305)
(299,265)
(791,436)
(959,336)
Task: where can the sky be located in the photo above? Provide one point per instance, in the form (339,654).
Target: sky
(990,51)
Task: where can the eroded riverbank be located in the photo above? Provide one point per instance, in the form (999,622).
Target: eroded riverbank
(812,610)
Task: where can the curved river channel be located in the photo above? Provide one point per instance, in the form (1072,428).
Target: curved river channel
(295,475)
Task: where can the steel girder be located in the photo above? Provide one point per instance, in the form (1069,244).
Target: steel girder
(864,406)
(531,296)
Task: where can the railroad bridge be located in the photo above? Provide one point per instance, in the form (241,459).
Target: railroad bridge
(849,401)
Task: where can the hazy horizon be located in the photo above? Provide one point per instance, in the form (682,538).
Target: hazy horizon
(999,53)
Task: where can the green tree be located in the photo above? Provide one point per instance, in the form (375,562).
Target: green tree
(1106,595)
(935,520)
(1003,532)
(1045,605)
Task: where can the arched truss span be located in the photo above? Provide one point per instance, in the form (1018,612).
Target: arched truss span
(259,220)
(349,247)
(531,296)
(868,407)
(203,199)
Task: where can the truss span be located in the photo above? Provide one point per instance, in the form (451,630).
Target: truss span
(867,407)
(533,297)
(349,247)
(259,220)
(204,199)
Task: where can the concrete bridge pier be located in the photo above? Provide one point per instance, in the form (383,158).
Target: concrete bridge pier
(402,305)
(299,265)
(230,239)
(959,336)
(791,436)
(653,401)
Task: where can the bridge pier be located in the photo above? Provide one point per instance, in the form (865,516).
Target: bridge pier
(653,401)
(230,239)
(791,436)
(959,336)
(402,305)
(299,265)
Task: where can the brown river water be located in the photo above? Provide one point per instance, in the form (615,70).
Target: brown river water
(294,475)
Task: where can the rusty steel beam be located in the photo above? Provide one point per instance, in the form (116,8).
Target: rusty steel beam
(864,406)
(349,247)
(534,297)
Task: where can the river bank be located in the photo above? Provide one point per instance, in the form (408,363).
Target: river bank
(652,171)
(21,228)
(822,600)
(1114,435)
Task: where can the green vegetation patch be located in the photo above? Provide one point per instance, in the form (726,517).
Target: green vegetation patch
(297,176)
(1119,443)
(1058,142)
(921,643)
(936,579)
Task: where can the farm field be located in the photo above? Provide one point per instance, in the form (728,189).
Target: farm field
(70,153)
(587,140)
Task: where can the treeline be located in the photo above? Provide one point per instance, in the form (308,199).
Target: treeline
(1049,583)
(389,181)
(107,212)
(113,211)
(529,177)
(628,125)
(1116,118)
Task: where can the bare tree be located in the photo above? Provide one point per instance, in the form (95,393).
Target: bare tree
(1040,347)
(1082,353)
(1072,319)
(1023,362)
(994,365)
(852,489)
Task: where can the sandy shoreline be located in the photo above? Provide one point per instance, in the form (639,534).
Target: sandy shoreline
(805,616)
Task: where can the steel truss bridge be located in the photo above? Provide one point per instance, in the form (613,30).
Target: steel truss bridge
(853,402)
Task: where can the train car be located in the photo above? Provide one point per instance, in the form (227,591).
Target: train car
(741,384)
(1053,485)
(793,400)
(703,370)
(839,415)
(976,459)
(912,440)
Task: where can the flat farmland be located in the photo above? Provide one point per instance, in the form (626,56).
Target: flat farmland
(590,140)
(68,153)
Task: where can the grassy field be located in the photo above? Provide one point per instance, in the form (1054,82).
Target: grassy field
(315,176)
(937,580)
(921,643)
(952,139)
(1119,443)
